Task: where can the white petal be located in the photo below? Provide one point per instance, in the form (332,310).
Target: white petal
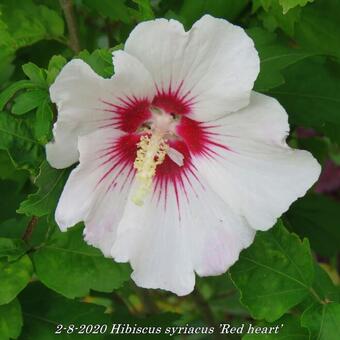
(167,244)
(215,64)
(176,156)
(259,176)
(79,94)
(264,120)
(96,191)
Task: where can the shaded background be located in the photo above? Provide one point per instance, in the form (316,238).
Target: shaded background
(49,278)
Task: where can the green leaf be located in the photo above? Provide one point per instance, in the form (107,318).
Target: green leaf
(274,57)
(69,266)
(192,10)
(50,183)
(11,249)
(44,310)
(287,328)
(16,227)
(52,21)
(273,17)
(145,10)
(35,74)
(13,227)
(318,28)
(26,23)
(317,217)
(274,274)
(221,295)
(6,65)
(322,321)
(55,65)
(28,101)
(14,275)
(16,138)
(10,198)
(11,90)
(8,171)
(314,27)
(311,95)
(10,320)
(43,122)
(115,10)
(100,60)
(288,4)
(324,287)
(318,146)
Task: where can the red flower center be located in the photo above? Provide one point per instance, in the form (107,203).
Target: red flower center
(187,136)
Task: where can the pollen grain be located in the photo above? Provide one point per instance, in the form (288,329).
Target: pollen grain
(151,152)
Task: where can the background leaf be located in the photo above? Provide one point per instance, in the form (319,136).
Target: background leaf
(115,10)
(279,278)
(318,28)
(11,249)
(274,274)
(275,56)
(69,266)
(14,274)
(310,95)
(43,122)
(44,310)
(35,74)
(288,4)
(10,320)
(192,10)
(27,23)
(317,217)
(287,328)
(28,101)
(322,321)
(50,183)
(10,91)
(16,137)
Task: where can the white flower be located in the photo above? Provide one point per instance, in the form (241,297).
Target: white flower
(180,162)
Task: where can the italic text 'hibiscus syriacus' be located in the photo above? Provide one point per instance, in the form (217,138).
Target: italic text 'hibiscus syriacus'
(180,162)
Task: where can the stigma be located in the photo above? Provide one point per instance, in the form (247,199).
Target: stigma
(151,152)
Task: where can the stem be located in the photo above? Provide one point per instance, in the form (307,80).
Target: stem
(118,300)
(206,312)
(226,294)
(49,231)
(61,40)
(111,27)
(316,296)
(30,228)
(67,7)
(109,31)
(147,301)
(204,308)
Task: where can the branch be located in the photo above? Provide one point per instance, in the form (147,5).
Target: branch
(67,7)
(204,308)
(206,312)
(149,305)
(30,228)
(111,27)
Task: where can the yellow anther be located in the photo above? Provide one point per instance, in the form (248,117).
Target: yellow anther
(151,152)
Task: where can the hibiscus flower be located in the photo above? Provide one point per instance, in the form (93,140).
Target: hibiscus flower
(180,162)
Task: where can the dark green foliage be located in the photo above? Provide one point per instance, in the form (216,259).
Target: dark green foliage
(69,266)
(274,274)
(287,278)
